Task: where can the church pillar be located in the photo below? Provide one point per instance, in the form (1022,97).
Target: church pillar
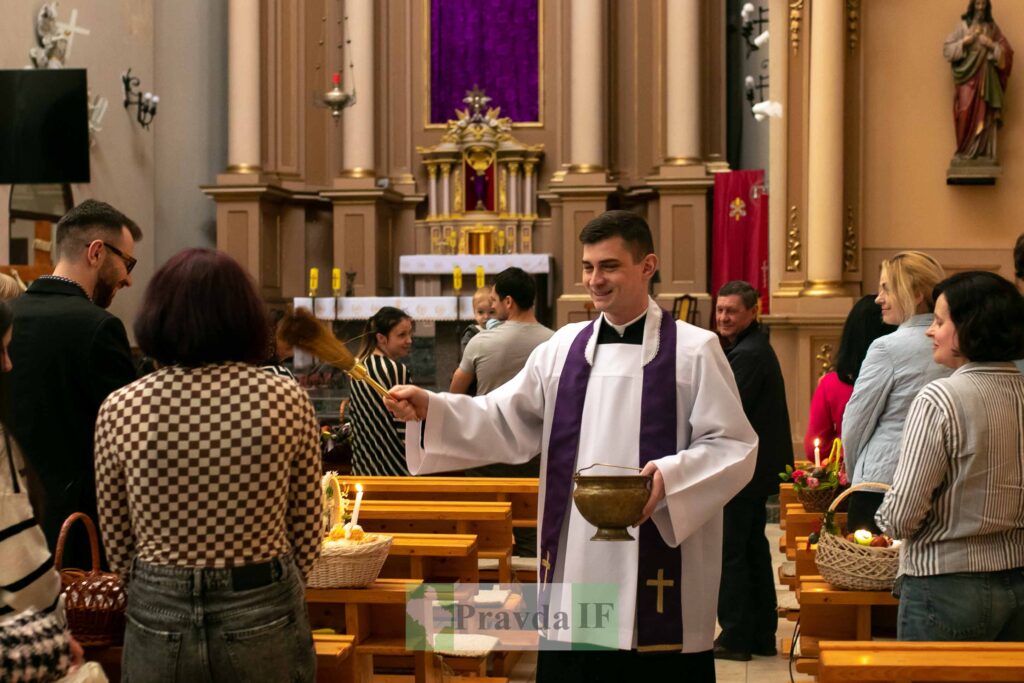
(358,134)
(432,191)
(446,190)
(825,154)
(243,87)
(682,83)
(587,86)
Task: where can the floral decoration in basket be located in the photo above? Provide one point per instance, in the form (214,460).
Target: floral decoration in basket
(816,487)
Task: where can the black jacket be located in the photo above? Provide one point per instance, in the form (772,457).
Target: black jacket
(763,393)
(68,355)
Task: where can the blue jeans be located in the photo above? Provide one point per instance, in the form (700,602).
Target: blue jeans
(198,625)
(973,606)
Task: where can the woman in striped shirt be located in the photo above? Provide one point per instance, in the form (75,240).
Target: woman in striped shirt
(957,498)
(378,446)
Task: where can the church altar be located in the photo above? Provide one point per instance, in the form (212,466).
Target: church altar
(420,308)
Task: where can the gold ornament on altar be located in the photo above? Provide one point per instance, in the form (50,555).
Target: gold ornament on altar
(612,503)
(479,239)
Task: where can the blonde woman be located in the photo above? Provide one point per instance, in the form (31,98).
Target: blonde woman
(897,366)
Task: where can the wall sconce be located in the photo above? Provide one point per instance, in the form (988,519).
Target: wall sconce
(145,102)
(754,91)
(749,23)
(767,109)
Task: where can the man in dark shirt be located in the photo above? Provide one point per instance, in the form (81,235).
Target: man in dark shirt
(746,599)
(68,354)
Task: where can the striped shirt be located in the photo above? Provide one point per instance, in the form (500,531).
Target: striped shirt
(27,576)
(957,498)
(378,439)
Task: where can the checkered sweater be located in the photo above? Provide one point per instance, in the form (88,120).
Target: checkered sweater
(216,466)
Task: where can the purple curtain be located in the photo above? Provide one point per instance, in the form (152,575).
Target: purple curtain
(490,43)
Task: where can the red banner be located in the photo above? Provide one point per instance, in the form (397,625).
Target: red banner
(739,237)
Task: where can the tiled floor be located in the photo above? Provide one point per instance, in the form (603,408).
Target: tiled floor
(758,670)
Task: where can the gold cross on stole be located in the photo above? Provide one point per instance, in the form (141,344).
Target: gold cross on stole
(661,583)
(546,563)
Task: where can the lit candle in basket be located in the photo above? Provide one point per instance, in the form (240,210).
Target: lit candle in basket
(359,500)
(817,453)
(863,536)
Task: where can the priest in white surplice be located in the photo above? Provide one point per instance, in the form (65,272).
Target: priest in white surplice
(605,392)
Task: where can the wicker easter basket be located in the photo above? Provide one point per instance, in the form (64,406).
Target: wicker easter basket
(815,500)
(348,564)
(94,600)
(852,566)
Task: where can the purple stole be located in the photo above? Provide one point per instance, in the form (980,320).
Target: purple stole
(658,593)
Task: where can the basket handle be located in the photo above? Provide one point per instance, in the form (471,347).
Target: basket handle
(865,485)
(94,541)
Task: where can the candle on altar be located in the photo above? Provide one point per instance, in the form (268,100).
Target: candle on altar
(359,501)
(817,453)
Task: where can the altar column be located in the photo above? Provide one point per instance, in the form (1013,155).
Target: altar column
(582,194)
(587,86)
(682,83)
(825,155)
(243,87)
(432,191)
(684,177)
(358,131)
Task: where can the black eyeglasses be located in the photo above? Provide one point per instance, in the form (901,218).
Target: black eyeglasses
(129,261)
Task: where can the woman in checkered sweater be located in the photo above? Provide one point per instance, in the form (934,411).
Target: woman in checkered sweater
(207,476)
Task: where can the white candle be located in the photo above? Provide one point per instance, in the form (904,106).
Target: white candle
(359,500)
(817,453)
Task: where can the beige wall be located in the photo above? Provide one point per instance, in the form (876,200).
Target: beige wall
(908,141)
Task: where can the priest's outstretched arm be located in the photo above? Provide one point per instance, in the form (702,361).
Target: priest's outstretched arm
(722,451)
(448,432)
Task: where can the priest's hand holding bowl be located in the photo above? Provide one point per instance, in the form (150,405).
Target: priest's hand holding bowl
(657,491)
(407,402)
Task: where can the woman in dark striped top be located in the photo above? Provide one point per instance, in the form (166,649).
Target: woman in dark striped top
(957,498)
(378,438)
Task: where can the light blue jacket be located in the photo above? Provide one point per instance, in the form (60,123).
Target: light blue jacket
(897,366)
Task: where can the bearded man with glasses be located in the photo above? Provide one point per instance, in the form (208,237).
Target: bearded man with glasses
(68,354)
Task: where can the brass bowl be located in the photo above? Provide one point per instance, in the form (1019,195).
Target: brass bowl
(612,503)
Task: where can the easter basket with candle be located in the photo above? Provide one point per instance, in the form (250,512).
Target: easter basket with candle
(859,561)
(817,486)
(349,557)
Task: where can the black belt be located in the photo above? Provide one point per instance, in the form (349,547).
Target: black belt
(256,575)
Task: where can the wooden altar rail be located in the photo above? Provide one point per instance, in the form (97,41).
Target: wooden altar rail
(521,492)
(491,522)
(911,662)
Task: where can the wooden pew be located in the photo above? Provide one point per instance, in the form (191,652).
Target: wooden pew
(375,618)
(910,662)
(433,557)
(491,522)
(827,613)
(520,491)
(334,660)
(799,522)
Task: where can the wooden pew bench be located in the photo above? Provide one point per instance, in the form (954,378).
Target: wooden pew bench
(911,662)
(433,558)
(334,660)
(491,522)
(521,492)
(827,613)
(799,522)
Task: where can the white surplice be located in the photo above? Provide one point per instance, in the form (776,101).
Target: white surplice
(717,452)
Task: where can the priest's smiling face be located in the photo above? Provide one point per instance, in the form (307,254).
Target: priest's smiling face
(617,283)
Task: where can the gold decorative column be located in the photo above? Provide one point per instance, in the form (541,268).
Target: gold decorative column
(243,87)
(432,190)
(825,151)
(446,193)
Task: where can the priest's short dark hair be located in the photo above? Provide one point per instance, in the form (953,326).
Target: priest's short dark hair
(202,307)
(628,225)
